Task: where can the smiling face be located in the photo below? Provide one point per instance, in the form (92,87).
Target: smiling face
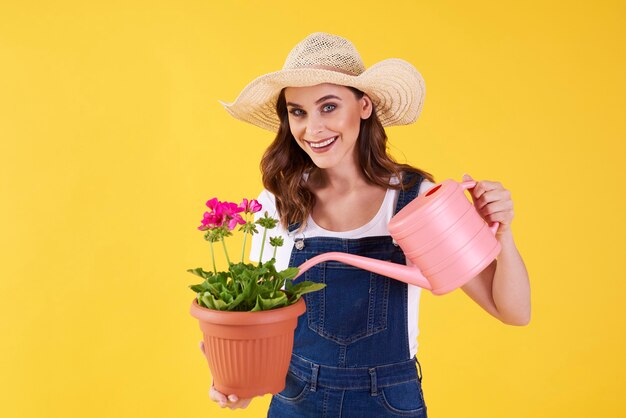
(325,121)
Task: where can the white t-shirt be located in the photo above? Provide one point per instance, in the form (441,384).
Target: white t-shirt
(377,226)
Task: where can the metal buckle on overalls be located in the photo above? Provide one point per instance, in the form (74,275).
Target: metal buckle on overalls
(300,242)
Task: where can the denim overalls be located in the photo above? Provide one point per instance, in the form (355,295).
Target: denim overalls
(351,355)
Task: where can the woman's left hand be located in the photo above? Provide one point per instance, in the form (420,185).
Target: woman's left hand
(493,202)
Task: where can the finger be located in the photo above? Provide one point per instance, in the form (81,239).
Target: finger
(499,206)
(503,217)
(203,350)
(241,403)
(233,401)
(218,396)
(484,186)
(467,177)
(496,195)
(222,404)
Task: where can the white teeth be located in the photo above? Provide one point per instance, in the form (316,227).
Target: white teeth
(322,144)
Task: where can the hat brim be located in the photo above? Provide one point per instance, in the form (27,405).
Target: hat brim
(395,86)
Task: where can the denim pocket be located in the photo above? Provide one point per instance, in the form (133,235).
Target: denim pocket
(353,305)
(404,399)
(295,389)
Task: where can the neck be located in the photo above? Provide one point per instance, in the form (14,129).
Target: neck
(344,178)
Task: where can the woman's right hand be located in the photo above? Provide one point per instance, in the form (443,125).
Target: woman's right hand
(230,401)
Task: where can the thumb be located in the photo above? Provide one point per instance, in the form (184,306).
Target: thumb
(467,177)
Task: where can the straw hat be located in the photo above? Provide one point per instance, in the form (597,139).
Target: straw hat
(396,88)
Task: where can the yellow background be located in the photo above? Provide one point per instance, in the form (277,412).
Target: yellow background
(112,139)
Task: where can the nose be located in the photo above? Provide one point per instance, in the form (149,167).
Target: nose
(314,126)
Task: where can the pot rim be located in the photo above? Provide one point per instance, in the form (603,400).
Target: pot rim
(247,318)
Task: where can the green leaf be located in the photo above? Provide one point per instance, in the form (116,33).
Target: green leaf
(267,222)
(249,228)
(221,277)
(276,241)
(263,304)
(250,287)
(304,287)
(201,273)
(289,273)
(227,297)
(217,288)
(206,300)
(243,296)
(202,287)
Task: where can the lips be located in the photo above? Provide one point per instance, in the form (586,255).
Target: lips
(323,143)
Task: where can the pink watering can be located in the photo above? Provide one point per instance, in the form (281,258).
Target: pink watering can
(444,238)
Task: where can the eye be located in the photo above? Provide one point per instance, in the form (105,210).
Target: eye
(294,112)
(329,105)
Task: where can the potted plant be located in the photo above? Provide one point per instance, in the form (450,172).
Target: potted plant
(247,317)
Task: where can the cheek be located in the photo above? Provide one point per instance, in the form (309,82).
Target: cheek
(297,135)
(296,131)
(350,126)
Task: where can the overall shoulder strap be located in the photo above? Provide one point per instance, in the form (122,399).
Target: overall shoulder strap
(406,196)
(292,227)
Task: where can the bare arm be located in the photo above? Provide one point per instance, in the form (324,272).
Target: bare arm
(503,288)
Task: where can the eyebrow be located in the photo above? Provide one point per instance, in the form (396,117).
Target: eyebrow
(330,96)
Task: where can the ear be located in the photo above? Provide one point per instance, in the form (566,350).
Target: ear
(366,107)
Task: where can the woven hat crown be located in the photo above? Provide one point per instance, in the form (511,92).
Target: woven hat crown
(324,50)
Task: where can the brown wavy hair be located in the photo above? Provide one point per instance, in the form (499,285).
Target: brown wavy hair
(284,163)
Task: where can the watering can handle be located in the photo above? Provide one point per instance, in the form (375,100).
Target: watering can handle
(470,185)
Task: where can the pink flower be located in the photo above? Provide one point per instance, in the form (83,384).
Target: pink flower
(230,209)
(236,219)
(255,206)
(231,212)
(224,213)
(211,220)
(250,207)
(244,205)
(212,203)
(215,217)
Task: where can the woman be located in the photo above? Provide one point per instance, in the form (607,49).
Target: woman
(328,177)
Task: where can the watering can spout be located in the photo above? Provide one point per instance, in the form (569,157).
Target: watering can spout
(408,274)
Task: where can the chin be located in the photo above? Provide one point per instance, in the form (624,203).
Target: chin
(323,164)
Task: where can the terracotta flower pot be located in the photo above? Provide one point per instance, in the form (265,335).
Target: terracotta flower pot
(248,352)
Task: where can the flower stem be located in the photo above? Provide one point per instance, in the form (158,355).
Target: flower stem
(245,235)
(225,251)
(213,258)
(262,245)
(275,248)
